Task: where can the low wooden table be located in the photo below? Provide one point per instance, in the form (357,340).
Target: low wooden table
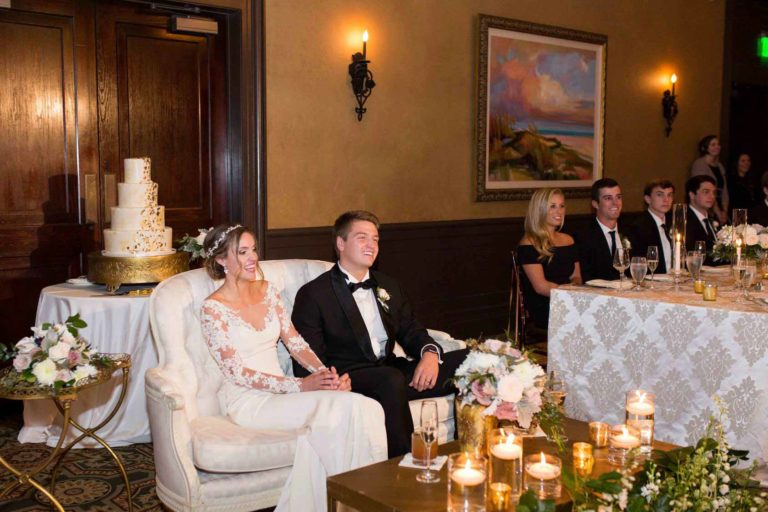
(387,487)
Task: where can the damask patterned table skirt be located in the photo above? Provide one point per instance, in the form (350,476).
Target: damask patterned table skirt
(671,343)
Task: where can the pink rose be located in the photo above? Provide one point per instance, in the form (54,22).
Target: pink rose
(482,392)
(21,362)
(506,411)
(74,358)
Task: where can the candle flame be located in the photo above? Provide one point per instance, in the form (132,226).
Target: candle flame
(641,396)
(678,236)
(365,36)
(673,78)
(543,460)
(511,439)
(738,241)
(624,430)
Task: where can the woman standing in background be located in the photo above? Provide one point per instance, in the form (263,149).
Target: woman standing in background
(709,163)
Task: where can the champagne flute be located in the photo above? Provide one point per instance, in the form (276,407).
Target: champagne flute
(620,263)
(429,436)
(638,266)
(652,256)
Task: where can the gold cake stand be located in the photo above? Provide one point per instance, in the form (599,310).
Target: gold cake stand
(114,271)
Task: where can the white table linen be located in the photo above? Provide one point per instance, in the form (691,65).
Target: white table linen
(669,342)
(115,324)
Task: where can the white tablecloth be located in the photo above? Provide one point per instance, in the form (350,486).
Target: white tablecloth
(671,343)
(115,324)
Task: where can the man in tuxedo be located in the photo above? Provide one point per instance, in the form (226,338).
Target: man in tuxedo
(651,228)
(352,316)
(701,193)
(598,243)
(758,214)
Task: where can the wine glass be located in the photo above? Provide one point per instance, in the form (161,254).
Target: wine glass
(620,263)
(638,266)
(652,256)
(556,389)
(429,436)
(748,277)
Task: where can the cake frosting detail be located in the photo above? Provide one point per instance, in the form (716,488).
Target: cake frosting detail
(138,222)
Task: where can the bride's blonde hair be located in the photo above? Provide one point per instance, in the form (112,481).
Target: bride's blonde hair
(536,229)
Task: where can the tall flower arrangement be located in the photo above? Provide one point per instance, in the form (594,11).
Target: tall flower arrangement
(503,379)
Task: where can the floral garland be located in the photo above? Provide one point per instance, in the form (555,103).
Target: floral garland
(193,244)
(754,238)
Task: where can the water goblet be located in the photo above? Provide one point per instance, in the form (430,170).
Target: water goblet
(652,256)
(694,260)
(637,269)
(620,263)
(429,436)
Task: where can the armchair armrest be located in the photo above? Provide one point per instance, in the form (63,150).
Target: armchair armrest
(446,341)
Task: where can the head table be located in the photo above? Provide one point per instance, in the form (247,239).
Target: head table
(116,323)
(673,343)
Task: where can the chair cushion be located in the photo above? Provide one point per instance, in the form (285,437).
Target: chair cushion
(219,445)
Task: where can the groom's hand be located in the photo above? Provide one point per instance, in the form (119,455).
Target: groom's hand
(425,375)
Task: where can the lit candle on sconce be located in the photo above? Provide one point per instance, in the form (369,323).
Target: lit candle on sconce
(673,79)
(365,43)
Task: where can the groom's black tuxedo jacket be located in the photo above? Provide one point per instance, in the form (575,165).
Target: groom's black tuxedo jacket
(595,256)
(327,316)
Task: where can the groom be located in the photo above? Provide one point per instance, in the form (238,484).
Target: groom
(351,316)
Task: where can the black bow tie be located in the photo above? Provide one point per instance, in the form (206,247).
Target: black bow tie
(368,284)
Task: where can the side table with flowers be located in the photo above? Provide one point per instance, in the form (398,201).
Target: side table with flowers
(57,363)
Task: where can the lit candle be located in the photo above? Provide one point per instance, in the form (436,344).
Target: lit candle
(639,406)
(625,439)
(673,79)
(543,470)
(468,476)
(365,43)
(738,250)
(678,249)
(507,450)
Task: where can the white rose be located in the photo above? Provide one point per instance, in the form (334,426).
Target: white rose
(201,237)
(494,345)
(59,328)
(21,362)
(510,389)
(84,371)
(751,230)
(60,351)
(45,372)
(39,332)
(27,345)
(67,337)
(763,239)
(64,375)
(751,239)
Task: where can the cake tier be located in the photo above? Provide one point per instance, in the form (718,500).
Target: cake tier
(148,217)
(137,194)
(137,170)
(137,241)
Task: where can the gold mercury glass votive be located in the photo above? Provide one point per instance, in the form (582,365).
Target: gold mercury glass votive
(583,460)
(710,291)
(598,433)
(698,286)
(501,497)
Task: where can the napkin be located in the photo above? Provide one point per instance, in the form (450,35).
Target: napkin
(664,278)
(716,270)
(602,283)
(436,464)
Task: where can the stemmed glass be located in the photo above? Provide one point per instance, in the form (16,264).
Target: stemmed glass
(556,389)
(652,257)
(748,277)
(429,436)
(638,266)
(620,263)
(694,260)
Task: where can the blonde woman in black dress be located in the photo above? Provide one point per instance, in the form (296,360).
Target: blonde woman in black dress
(548,257)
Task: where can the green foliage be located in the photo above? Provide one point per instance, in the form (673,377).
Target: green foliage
(530,503)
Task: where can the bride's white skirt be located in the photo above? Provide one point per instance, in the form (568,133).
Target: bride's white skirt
(344,431)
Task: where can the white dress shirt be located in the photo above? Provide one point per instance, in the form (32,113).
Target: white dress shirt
(607,234)
(666,246)
(366,303)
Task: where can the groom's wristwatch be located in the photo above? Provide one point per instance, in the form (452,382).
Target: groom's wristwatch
(433,348)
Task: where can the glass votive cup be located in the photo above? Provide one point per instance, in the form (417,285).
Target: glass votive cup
(500,497)
(640,408)
(419,449)
(542,475)
(466,482)
(698,286)
(505,451)
(622,439)
(583,460)
(598,433)
(710,291)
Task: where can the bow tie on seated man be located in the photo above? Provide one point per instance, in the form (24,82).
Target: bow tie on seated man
(352,316)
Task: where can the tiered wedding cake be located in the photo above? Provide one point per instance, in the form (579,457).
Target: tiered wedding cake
(138,222)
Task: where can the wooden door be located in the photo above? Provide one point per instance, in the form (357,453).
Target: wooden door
(162,95)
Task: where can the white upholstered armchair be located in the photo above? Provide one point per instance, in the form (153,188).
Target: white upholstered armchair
(204,461)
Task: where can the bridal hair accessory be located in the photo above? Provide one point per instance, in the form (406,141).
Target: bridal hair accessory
(221,238)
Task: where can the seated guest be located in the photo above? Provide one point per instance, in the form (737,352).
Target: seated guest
(352,316)
(741,186)
(549,258)
(651,228)
(708,164)
(598,243)
(758,214)
(701,193)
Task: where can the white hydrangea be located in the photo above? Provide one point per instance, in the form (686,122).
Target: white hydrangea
(511,388)
(527,373)
(476,361)
(45,372)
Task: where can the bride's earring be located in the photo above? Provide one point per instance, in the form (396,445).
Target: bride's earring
(226,270)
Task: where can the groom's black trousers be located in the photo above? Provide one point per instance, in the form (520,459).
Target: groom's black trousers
(388,385)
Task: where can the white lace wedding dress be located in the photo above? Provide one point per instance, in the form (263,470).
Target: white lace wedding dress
(344,430)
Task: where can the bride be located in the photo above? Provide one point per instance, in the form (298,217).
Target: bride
(242,322)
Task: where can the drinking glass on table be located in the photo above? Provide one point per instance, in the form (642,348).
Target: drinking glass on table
(694,260)
(748,277)
(738,267)
(556,389)
(638,266)
(652,257)
(620,263)
(428,435)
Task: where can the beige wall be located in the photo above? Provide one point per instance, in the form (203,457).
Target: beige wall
(412,157)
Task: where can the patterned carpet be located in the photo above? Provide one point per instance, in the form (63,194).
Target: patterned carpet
(89,480)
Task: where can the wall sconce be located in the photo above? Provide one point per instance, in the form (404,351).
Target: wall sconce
(669,105)
(362,78)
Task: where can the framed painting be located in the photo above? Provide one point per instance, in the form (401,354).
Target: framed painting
(540,111)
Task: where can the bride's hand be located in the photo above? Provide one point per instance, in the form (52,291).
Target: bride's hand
(345,384)
(321,379)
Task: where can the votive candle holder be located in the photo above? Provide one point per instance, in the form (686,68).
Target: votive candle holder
(583,459)
(640,408)
(622,439)
(467,473)
(542,475)
(710,291)
(598,433)
(505,450)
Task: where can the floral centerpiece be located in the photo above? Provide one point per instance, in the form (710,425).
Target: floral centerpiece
(193,244)
(55,355)
(754,239)
(500,382)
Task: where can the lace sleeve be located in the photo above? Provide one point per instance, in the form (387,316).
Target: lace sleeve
(215,322)
(295,344)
